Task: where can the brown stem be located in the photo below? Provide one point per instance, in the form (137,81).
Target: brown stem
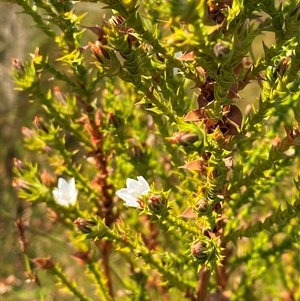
(93,122)
(222,276)
(204,276)
(23,242)
(190,295)
(150,240)
(105,247)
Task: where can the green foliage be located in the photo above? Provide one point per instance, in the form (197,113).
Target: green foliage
(156,92)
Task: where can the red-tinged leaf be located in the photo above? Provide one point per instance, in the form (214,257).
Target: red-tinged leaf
(201,71)
(194,165)
(210,123)
(187,56)
(188,213)
(195,115)
(81,256)
(233,115)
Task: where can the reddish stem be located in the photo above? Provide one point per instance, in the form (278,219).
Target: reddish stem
(204,276)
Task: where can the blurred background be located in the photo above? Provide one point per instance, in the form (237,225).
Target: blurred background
(19,37)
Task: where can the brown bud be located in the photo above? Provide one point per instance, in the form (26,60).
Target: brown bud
(281,67)
(43,263)
(59,95)
(37,52)
(18,65)
(20,184)
(81,256)
(84,225)
(157,203)
(198,250)
(100,53)
(40,125)
(19,164)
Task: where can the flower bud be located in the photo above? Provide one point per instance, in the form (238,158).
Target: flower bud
(107,58)
(82,256)
(40,125)
(43,263)
(84,225)
(199,251)
(221,49)
(203,207)
(157,203)
(37,53)
(19,164)
(59,95)
(18,65)
(100,53)
(21,184)
(281,68)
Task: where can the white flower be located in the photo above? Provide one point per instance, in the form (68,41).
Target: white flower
(66,193)
(135,188)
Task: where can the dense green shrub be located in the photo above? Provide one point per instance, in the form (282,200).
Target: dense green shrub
(156,91)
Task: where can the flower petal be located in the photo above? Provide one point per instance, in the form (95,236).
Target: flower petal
(63,185)
(140,187)
(72,186)
(73,198)
(125,195)
(135,204)
(66,193)
(132,184)
(144,186)
(56,194)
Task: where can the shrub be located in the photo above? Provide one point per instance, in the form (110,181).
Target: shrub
(156,93)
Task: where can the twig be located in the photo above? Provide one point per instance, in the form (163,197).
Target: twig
(204,276)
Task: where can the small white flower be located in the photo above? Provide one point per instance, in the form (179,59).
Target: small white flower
(134,189)
(66,193)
